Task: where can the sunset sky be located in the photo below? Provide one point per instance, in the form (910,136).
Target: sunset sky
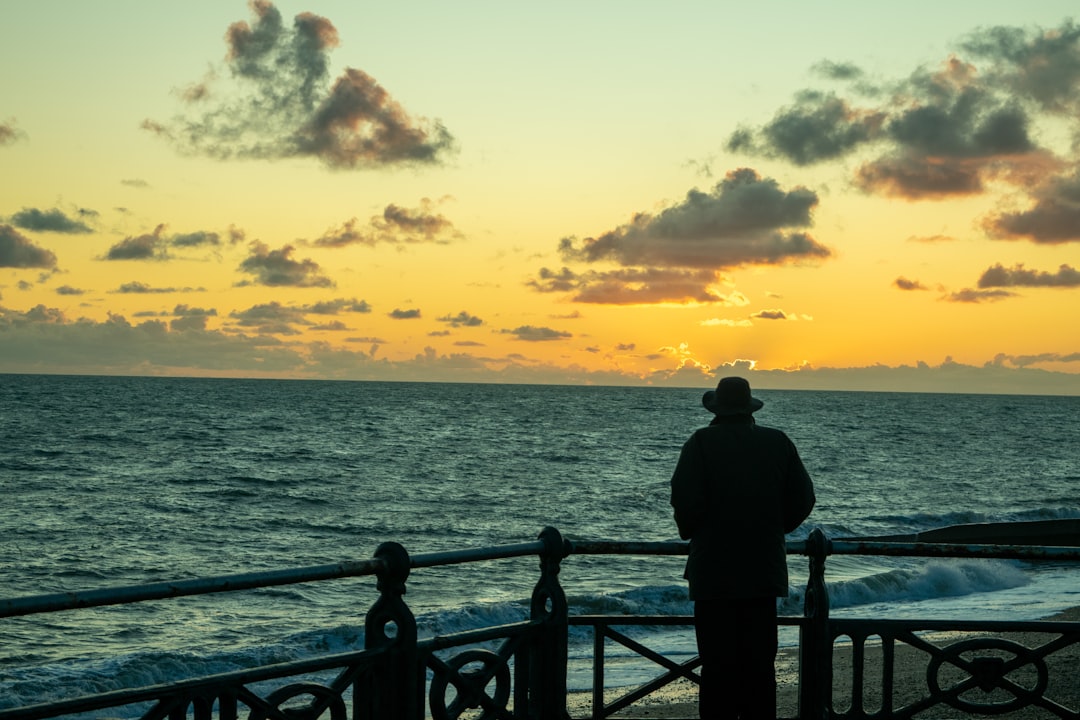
(873,196)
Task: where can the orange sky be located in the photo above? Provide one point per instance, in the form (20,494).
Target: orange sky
(602,193)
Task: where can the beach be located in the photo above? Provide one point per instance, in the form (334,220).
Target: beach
(678,701)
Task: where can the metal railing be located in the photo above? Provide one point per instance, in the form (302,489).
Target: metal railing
(525,676)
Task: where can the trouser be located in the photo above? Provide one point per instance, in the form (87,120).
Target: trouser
(737,644)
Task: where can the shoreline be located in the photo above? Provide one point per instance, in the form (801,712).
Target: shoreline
(678,700)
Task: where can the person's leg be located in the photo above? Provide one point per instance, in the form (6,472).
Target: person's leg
(756,644)
(714,626)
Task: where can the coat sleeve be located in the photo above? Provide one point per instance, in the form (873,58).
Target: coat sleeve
(688,489)
(799,495)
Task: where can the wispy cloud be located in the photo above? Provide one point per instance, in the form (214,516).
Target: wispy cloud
(462,319)
(394,226)
(284,105)
(10,133)
(971,295)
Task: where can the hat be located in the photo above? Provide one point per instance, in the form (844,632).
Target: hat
(731,397)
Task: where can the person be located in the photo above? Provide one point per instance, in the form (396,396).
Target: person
(737,490)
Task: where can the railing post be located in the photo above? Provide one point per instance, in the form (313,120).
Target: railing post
(815,652)
(548,654)
(394,688)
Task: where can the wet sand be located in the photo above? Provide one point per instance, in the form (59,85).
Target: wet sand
(678,701)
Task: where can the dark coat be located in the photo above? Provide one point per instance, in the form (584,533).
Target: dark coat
(737,490)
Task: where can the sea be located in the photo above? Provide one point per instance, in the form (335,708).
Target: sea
(117,481)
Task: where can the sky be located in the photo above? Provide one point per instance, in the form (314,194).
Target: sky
(860,197)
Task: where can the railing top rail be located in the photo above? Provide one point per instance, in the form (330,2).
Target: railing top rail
(53,602)
(13,607)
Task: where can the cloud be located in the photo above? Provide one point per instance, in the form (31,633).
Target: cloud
(149,246)
(140,288)
(772,315)
(1020,361)
(904,284)
(939,132)
(969,295)
(44,339)
(17,250)
(1019,276)
(276,268)
(284,105)
(135,183)
(1054,218)
(636,286)
(399,314)
(394,226)
(531,333)
(9,133)
(338,305)
(68,290)
(818,127)
(271,318)
(725,322)
(462,319)
(50,221)
(744,220)
(155,245)
(188,311)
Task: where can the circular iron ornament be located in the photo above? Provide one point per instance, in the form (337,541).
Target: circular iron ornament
(988,673)
(336,706)
(471,685)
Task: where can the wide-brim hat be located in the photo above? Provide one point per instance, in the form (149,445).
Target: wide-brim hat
(731,397)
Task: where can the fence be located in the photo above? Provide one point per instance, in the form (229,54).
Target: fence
(397,674)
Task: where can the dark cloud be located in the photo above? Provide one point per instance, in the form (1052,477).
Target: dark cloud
(939,132)
(135,183)
(17,250)
(271,318)
(149,246)
(399,314)
(462,319)
(818,127)
(904,284)
(394,226)
(286,105)
(9,133)
(531,333)
(770,315)
(68,290)
(155,245)
(744,220)
(140,288)
(333,307)
(188,311)
(43,338)
(51,221)
(276,268)
(1054,217)
(633,286)
(188,322)
(1003,359)
(1019,276)
(334,325)
(1039,64)
(970,295)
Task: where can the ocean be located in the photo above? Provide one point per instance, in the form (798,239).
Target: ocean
(111,481)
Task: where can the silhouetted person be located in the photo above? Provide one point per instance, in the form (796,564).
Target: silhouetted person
(737,490)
